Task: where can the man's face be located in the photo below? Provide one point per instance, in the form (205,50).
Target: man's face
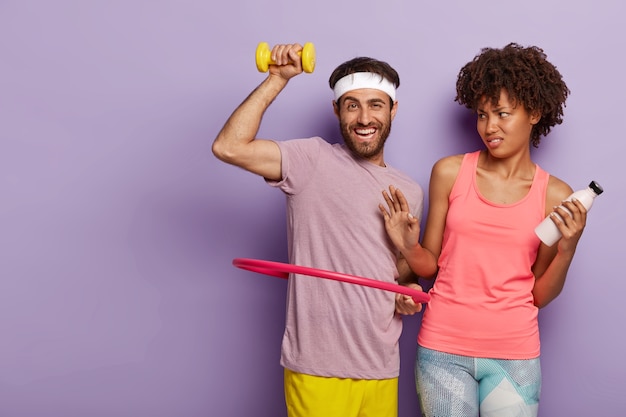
(365,117)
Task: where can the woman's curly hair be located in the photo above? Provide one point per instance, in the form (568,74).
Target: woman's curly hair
(526,75)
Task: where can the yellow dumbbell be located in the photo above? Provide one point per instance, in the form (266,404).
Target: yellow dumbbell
(264,58)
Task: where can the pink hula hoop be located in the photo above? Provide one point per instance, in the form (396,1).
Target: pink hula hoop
(282,270)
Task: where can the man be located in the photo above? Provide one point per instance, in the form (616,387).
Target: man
(340,346)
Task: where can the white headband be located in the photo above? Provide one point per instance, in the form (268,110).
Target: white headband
(364,80)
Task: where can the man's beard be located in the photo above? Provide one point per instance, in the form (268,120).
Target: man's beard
(373,148)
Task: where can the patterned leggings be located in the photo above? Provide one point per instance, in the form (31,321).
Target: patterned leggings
(451,385)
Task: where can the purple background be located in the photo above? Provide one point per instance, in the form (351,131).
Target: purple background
(118,226)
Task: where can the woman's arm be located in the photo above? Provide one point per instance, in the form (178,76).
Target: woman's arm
(404,229)
(553,262)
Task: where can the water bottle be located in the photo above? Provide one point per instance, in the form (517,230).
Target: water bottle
(547,230)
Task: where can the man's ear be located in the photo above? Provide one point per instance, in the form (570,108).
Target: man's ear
(394,109)
(336,108)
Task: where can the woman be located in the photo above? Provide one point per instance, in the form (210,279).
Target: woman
(478,347)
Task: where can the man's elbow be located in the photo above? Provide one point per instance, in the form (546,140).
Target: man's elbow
(222,152)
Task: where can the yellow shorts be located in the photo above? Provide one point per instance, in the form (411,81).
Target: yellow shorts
(315,396)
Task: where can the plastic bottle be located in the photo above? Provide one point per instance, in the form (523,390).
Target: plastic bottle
(547,230)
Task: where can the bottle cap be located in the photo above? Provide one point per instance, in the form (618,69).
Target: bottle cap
(596,187)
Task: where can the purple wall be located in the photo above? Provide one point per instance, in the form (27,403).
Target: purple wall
(118,226)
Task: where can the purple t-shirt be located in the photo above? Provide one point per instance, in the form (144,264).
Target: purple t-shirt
(333,222)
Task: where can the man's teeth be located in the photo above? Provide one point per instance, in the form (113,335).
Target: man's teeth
(365,131)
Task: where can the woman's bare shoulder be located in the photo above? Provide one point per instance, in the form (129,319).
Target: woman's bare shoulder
(448,165)
(558,190)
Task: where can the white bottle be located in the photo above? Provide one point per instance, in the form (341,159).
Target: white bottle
(547,230)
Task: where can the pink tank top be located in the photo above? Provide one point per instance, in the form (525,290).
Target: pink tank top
(481,302)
